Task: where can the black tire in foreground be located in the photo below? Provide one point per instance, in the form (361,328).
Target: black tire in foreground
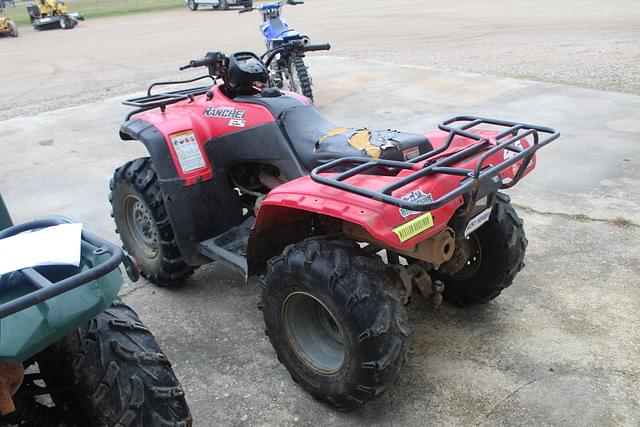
(487,262)
(192,5)
(117,373)
(143,224)
(335,321)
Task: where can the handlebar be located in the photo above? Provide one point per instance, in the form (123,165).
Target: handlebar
(196,63)
(289,2)
(212,60)
(296,45)
(316,47)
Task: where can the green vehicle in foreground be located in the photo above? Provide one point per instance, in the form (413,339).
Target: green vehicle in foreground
(71,353)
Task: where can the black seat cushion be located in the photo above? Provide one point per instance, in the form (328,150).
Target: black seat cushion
(316,140)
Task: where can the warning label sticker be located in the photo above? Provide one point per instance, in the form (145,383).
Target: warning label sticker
(187,151)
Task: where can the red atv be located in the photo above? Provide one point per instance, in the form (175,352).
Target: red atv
(342,224)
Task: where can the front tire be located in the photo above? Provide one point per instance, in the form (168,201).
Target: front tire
(67,22)
(488,261)
(335,321)
(223,4)
(143,223)
(302,78)
(117,373)
(192,5)
(13,29)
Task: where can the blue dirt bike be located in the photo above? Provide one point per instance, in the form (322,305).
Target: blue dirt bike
(288,70)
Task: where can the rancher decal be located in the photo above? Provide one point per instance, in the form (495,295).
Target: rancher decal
(414,227)
(224,113)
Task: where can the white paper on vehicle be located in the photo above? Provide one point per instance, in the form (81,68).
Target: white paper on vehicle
(56,245)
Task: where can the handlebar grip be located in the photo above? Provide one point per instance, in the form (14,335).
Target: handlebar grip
(194,63)
(199,62)
(315,47)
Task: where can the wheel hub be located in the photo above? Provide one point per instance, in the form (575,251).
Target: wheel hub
(466,258)
(142,226)
(313,332)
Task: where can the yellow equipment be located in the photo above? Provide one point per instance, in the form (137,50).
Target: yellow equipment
(7,26)
(48,14)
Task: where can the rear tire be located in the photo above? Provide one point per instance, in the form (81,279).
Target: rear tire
(13,29)
(335,321)
(117,372)
(223,5)
(491,257)
(143,223)
(192,5)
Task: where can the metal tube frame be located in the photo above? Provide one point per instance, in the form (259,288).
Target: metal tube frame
(455,126)
(44,289)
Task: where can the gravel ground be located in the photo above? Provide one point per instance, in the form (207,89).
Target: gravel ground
(593,44)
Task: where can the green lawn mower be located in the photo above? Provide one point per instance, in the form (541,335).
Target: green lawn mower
(72,353)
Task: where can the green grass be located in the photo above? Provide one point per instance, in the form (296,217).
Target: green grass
(98,8)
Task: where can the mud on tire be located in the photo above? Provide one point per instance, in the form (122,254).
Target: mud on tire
(143,223)
(118,373)
(335,321)
(495,256)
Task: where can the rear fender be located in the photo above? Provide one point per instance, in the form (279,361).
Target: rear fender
(286,216)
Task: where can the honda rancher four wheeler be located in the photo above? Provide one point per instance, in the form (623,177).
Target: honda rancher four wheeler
(341,224)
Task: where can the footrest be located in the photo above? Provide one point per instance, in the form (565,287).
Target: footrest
(230,246)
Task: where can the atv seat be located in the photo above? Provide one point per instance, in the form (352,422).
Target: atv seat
(317,141)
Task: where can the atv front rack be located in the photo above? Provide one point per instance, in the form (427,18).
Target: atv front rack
(42,288)
(161,100)
(479,181)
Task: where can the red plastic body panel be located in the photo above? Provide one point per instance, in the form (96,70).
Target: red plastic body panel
(188,116)
(378,218)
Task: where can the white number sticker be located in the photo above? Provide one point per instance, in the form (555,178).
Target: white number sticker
(477,221)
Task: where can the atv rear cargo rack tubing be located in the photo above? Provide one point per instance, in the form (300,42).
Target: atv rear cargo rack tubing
(351,166)
(161,100)
(43,288)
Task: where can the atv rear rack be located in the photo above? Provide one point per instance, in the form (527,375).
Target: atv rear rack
(43,288)
(161,100)
(477,180)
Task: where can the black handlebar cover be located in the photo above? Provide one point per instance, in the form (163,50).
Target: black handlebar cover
(315,47)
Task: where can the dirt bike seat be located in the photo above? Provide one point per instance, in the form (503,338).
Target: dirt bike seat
(316,140)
